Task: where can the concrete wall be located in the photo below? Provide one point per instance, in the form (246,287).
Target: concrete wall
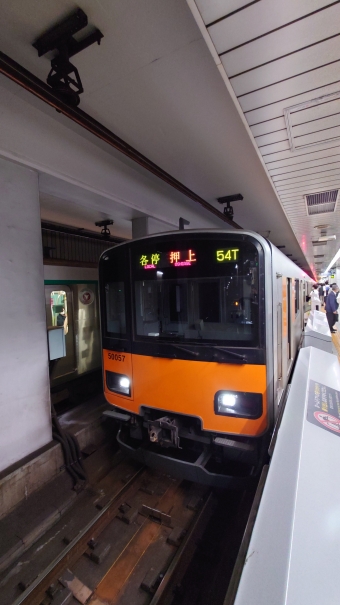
(24,384)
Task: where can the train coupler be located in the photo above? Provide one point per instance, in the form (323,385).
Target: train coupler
(164,431)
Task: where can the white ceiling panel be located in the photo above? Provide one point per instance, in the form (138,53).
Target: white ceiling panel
(269,110)
(316,126)
(319,146)
(298,35)
(284,168)
(269,126)
(317,137)
(286,192)
(309,172)
(307,178)
(216,9)
(302,155)
(309,186)
(258,19)
(288,67)
(273,137)
(287,89)
(271,148)
(316,112)
(279,54)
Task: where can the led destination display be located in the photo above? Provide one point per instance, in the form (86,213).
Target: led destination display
(183,258)
(173,258)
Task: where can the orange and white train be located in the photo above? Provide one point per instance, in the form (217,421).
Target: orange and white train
(199,330)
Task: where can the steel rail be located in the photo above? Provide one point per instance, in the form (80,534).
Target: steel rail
(35,593)
(180,562)
(21,76)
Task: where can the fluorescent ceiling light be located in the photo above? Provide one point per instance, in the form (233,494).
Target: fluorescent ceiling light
(326,238)
(333,261)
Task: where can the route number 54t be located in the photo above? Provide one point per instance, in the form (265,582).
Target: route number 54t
(227,255)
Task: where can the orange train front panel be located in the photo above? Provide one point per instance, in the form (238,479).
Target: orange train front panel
(187,387)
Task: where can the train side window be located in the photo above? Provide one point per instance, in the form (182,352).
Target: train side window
(297,295)
(115,308)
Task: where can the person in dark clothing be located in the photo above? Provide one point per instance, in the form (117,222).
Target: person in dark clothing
(321,293)
(61,318)
(332,307)
(325,291)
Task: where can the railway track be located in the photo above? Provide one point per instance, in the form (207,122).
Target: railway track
(135,550)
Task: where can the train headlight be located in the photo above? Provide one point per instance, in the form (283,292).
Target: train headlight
(124,382)
(238,404)
(118,383)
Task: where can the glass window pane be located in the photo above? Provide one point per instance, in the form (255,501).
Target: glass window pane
(201,298)
(115,308)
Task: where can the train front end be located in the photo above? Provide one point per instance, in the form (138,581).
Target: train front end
(184,356)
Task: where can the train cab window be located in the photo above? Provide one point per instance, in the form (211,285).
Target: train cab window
(115,308)
(208,291)
(59,313)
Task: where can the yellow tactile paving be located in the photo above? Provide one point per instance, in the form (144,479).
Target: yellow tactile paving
(336,343)
(335,339)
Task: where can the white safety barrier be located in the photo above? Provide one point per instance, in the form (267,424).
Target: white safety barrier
(317,333)
(293,555)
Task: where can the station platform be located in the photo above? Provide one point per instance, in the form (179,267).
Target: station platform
(293,551)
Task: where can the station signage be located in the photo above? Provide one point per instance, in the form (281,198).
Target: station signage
(323,408)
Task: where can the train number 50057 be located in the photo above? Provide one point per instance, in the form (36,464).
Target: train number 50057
(116,356)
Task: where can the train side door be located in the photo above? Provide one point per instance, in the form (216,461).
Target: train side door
(289,321)
(279,387)
(59,312)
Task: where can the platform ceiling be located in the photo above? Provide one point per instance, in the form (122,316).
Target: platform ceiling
(156,81)
(281,59)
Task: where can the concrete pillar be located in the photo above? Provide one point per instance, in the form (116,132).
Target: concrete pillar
(24,384)
(147,225)
(140,227)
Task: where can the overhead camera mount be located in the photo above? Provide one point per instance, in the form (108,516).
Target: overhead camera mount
(64,77)
(228,210)
(104,224)
(182,222)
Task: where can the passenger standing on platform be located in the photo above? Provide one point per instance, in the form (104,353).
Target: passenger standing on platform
(321,293)
(332,307)
(325,291)
(314,299)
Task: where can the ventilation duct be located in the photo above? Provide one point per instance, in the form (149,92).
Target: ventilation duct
(319,203)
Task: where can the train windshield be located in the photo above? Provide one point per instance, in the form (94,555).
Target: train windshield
(202,291)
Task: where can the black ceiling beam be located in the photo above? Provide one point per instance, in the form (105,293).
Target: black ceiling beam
(31,83)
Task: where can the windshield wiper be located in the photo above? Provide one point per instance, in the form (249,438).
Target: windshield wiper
(184,349)
(231,353)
